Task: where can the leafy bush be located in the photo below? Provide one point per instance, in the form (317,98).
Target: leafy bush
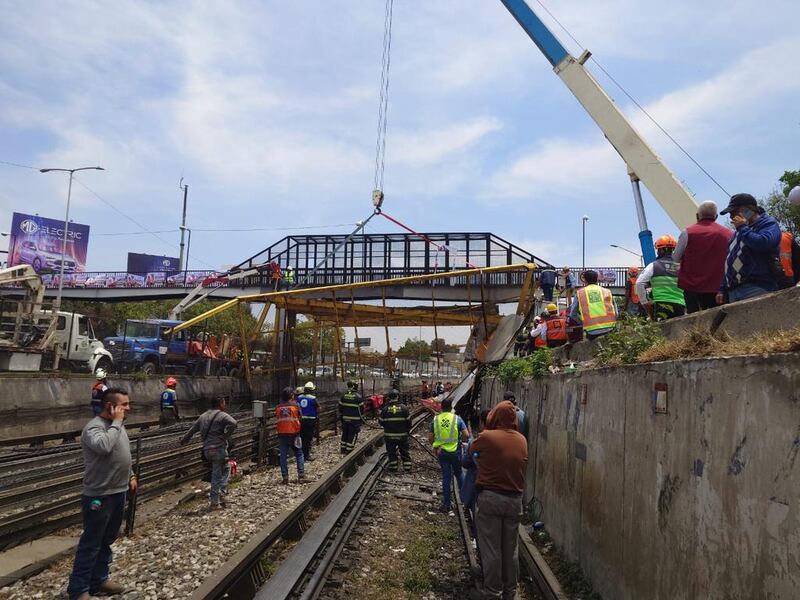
(534,366)
(622,346)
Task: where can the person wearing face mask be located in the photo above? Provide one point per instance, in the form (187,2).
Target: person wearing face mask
(752,252)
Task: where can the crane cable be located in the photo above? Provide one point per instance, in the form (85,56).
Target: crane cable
(383,107)
(380,144)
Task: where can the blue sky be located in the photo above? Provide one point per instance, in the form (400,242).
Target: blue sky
(268,110)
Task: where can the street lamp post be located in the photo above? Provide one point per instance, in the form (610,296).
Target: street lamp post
(583,244)
(636,254)
(66,225)
(188,247)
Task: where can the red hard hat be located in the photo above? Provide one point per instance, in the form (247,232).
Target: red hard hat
(171,382)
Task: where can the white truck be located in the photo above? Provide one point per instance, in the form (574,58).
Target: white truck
(31,331)
(77,344)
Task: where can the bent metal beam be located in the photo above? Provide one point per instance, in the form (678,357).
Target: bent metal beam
(298,293)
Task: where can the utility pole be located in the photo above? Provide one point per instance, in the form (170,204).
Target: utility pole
(185,189)
(583,244)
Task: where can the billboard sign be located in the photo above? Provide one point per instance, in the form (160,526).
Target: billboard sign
(38,241)
(149,263)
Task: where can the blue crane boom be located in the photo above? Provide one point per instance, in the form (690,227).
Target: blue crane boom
(643,163)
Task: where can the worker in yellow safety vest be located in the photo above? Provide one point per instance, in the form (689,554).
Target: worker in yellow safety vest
(446,429)
(593,307)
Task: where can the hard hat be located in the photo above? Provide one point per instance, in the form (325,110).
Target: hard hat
(100,374)
(352,384)
(633,270)
(171,382)
(565,270)
(393,394)
(552,308)
(794,196)
(298,390)
(310,386)
(666,241)
(537,320)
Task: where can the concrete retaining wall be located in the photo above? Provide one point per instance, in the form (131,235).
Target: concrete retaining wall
(40,404)
(699,502)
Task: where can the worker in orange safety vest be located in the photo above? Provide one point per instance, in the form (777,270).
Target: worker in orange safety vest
(287,425)
(633,306)
(789,259)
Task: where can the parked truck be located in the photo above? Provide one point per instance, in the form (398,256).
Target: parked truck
(78,346)
(147,345)
(34,335)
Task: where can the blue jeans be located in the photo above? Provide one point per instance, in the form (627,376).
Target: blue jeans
(745,291)
(450,462)
(101,525)
(220,473)
(287,443)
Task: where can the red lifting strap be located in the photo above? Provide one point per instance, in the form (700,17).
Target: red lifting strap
(441,247)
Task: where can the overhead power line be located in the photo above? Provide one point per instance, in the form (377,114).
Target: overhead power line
(134,221)
(225,229)
(13,164)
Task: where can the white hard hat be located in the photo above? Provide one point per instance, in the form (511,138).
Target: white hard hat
(794,196)
(100,374)
(310,386)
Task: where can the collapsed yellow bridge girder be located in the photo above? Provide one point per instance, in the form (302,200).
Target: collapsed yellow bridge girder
(368,315)
(284,297)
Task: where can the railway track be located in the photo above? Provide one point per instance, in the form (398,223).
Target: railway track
(41,493)
(305,574)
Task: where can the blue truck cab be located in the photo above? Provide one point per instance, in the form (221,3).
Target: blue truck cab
(145,345)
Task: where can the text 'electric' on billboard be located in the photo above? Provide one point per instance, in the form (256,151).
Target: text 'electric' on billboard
(39,242)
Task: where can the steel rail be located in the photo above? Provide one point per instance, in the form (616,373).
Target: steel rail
(304,573)
(163,467)
(243,574)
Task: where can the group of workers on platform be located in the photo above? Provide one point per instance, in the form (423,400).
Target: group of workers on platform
(708,265)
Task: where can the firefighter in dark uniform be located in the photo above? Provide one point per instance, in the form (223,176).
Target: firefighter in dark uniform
(350,416)
(396,423)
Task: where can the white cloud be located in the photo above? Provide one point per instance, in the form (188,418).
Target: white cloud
(431,146)
(567,166)
(706,114)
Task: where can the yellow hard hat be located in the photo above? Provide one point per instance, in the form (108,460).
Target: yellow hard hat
(551,308)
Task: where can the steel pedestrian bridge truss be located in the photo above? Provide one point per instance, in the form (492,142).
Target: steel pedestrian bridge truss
(359,259)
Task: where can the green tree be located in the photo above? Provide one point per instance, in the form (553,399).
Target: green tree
(440,345)
(776,204)
(414,348)
(108,318)
(304,333)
